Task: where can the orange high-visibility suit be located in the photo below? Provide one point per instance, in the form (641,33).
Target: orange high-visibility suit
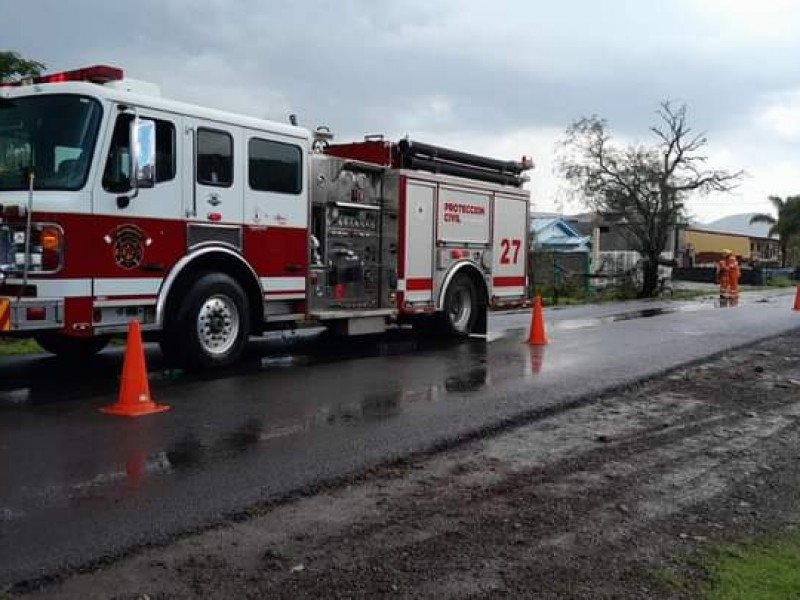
(723,280)
(734,274)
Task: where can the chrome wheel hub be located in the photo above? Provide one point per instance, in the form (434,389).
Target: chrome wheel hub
(460,310)
(218,325)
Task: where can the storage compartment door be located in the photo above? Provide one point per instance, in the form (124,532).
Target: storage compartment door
(509,250)
(419,217)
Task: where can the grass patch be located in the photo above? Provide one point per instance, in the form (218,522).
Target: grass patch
(780,282)
(762,569)
(15,346)
(667,580)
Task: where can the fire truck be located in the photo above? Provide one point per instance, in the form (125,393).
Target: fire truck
(209,227)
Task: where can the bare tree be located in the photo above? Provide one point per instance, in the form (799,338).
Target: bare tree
(646,184)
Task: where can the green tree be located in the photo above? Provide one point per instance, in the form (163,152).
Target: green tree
(793,251)
(13,67)
(645,185)
(786,225)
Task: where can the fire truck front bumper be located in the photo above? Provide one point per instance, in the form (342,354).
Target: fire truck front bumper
(20,315)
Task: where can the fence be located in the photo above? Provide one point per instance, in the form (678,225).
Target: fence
(559,270)
(757,276)
(624,268)
(564,273)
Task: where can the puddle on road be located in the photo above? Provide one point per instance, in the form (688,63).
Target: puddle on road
(571,324)
(15,397)
(310,349)
(459,374)
(203,443)
(283,361)
(454,372)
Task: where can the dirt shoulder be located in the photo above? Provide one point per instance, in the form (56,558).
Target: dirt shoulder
(617,499)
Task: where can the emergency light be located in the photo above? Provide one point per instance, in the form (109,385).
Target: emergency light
(95,74)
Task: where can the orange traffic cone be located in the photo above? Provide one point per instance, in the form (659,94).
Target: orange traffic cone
(797,298)
(134,391)
(537,336)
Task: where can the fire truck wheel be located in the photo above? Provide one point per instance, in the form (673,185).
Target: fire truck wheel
(211,324)
(460,306)
(66,346)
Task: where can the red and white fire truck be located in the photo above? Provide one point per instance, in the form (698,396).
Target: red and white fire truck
(209,227)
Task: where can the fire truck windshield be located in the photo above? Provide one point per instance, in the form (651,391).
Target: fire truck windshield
(51,135)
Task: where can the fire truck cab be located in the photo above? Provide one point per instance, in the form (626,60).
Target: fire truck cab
(208,227)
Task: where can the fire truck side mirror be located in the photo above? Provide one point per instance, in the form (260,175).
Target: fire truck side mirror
(143,153)
(143,158)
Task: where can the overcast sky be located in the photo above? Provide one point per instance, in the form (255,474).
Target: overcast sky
(502,78)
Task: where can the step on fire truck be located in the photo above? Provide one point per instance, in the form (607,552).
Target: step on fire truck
(209,227)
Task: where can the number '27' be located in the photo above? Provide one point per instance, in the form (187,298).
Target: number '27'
(507,258)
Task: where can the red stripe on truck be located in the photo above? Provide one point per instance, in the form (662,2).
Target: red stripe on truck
(508,281)
(419,285)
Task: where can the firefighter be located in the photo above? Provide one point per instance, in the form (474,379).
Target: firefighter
(734,273)
(722,278)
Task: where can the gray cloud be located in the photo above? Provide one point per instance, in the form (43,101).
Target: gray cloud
(414,65)
(362,65)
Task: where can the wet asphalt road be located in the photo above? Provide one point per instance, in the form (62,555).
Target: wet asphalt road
(77,486)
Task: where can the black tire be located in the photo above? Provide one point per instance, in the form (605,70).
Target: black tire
(209,326)
(71,347)
(461,308)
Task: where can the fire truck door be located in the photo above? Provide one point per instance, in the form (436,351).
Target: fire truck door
(214,167)
(113,195)
(134,235)
(276,212)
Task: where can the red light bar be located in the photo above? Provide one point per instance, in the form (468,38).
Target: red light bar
(95,74)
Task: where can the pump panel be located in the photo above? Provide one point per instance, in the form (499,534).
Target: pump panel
(346,243)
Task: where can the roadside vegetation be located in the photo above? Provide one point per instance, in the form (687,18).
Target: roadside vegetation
(571,293)
(780,282)
(764,569)
(14,346)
